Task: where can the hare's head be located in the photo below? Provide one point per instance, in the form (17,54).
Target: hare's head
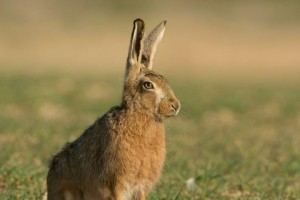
(143,88)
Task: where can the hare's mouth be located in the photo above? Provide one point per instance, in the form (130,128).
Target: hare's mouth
(171,114)
(163,116)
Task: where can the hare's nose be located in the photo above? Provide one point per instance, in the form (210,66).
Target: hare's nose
(175,106)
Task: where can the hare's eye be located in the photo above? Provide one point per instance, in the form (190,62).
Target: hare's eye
(148,85)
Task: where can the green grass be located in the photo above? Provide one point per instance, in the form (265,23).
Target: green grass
(237,140)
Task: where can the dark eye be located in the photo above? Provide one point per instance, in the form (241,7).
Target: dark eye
(148,85)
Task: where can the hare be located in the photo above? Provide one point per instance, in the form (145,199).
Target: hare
(121,155)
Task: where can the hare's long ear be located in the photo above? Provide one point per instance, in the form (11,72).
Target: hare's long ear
(137,34)
(136,47)
(133,65)
(151,43)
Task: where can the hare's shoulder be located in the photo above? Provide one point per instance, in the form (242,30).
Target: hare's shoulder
(104,124)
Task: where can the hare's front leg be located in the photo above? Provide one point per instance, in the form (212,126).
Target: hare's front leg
(140,196)
(128,193)
(120,192)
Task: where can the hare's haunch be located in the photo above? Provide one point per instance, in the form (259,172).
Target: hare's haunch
(121,155)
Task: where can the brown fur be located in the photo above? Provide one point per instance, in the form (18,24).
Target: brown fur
(120,156)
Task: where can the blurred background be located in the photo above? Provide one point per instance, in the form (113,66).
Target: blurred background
(234,65)
(218,39)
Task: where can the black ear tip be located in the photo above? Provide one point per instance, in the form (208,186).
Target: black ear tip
(139,23)
(138,20)
(165,22)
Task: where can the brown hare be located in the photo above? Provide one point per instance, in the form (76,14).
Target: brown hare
(120,156)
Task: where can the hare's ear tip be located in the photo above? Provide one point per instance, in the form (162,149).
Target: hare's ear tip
(139,23)
(137,20)
(164,22)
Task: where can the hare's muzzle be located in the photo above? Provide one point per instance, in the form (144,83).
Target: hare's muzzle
(168,107)
(174,107)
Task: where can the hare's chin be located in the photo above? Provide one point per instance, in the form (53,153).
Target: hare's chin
(169,115)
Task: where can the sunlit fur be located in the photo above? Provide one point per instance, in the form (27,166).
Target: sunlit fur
(121,155)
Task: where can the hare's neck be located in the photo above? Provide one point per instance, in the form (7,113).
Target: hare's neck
(140,119)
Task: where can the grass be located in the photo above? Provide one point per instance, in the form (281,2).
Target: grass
(232,140)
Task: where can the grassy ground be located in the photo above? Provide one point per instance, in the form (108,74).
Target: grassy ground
(232,140)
